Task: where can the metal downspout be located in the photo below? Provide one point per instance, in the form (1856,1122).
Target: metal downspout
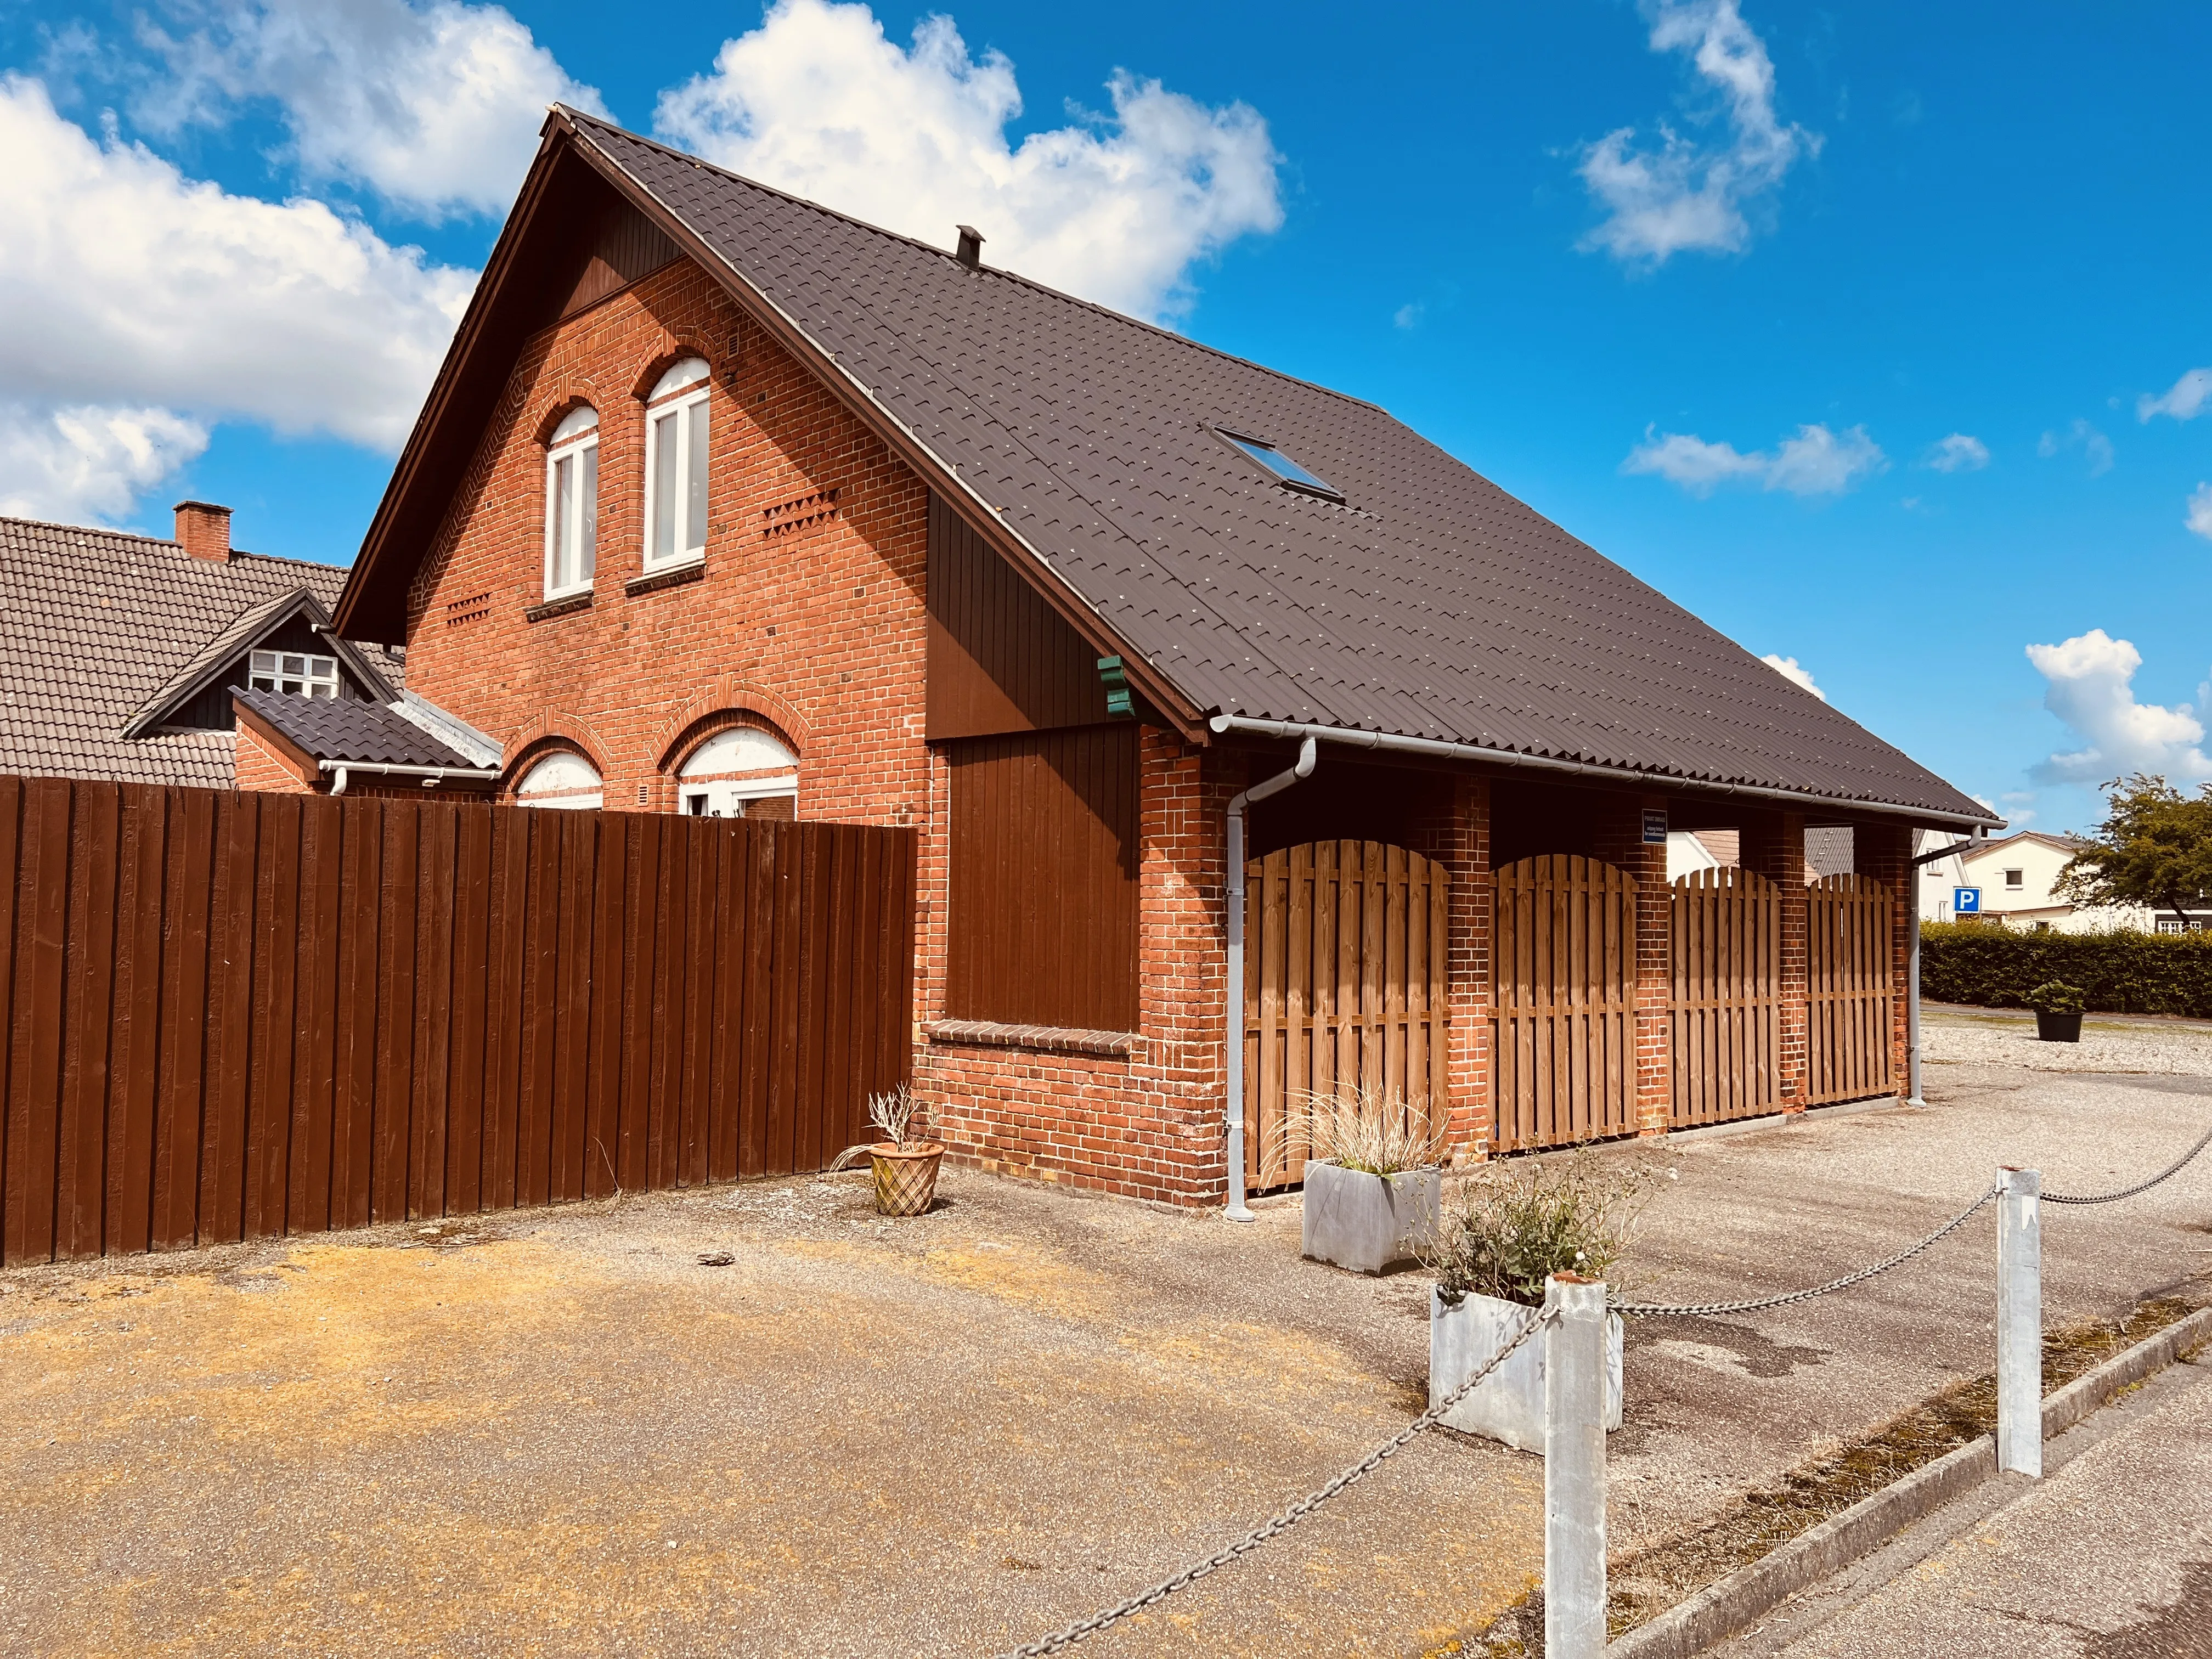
(1309,752)
(1912,968)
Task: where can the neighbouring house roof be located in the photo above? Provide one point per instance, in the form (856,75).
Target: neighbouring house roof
(1830,850)
(1089,448)
(2069,845)
(256,622)
(98,625)
(343,731)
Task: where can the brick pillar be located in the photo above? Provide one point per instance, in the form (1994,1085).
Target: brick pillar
(1456,832)
(1884,851)
(1621,841)
(1774,847)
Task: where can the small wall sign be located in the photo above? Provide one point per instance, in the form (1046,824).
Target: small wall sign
(1655,828)
(1966,901)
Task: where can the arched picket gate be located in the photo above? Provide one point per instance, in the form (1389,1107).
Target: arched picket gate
(1725,1037)
(1851,990)
(1345,984)
(1563,964)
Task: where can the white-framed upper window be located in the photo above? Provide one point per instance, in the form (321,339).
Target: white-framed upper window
(562,778)
(2016,877)
(301,673)
(675,466)
(571,503)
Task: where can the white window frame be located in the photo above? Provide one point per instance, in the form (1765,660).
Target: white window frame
(316,678)
(675,405)
(2015,880)
(570,448)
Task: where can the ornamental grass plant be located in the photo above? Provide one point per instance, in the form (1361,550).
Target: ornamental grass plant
(1357,1127)
(1508,1229)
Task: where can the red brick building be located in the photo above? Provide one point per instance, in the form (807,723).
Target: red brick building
(726,503)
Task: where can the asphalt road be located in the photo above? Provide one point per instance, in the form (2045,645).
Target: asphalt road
(2108,1556)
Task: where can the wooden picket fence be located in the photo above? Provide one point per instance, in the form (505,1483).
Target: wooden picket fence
(1726,1014)
(1851,993)
(1564,962)
(236,1015)
(1345,986)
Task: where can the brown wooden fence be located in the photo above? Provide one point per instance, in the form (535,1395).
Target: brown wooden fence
(1726,1042)
(1344,977)
(234,1016)
(1564,966)
(1852,990)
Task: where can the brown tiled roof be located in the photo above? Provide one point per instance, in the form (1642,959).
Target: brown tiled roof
(340,729)
(1428,603)
(95,623)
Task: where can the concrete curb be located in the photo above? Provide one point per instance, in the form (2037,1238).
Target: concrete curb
(1720,1610)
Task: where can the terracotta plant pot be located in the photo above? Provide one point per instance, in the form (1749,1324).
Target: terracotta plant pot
(906,1176)
(2057,1028)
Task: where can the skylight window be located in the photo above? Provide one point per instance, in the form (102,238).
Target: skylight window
(1291,474)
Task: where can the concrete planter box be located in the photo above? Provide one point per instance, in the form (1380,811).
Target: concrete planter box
(1365,1222)
(1508,1406)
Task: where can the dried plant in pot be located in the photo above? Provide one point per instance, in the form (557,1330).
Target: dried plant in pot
(1507,1230)
(1372,1171)
(905,1164)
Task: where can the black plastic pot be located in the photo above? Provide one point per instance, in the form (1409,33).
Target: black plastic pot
(2058,1028)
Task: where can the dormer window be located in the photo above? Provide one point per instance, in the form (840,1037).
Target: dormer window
(571,503)
(301,674)
(675,466)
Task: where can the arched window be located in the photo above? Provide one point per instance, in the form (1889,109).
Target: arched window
(562,778)
(571,503)
(742,772)
(675,466)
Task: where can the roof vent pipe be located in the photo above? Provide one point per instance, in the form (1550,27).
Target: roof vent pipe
(1234,1111)
(970,250)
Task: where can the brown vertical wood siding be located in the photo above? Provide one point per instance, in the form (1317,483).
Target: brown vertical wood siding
(1000,658)
(1043,892)
(239,1016)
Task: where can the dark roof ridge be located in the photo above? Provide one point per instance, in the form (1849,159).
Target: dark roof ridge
(577,115)
(236,553)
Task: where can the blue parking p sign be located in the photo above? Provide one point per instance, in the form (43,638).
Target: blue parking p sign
(1966,901)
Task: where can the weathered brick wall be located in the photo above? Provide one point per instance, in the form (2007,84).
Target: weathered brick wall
(261,768)
(1884,851)
(817,633)
(1456,834)
(1621,841)
(1149,1124)
(1773,845)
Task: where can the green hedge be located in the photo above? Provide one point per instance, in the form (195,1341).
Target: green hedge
(2118,973)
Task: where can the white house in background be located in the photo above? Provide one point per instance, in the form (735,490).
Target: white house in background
(2016,875)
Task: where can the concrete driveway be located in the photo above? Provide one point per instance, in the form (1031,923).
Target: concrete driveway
(558,1433)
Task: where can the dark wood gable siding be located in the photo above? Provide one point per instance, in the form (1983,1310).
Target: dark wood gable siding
(618,246)
(1044,900)
(210,711)
(1000,658)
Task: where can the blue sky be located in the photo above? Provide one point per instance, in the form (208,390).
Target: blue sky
(1865,332)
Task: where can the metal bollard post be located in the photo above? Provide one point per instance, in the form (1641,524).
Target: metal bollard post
(1574,1470)
(2019,1320)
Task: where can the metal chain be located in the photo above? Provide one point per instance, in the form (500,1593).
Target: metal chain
(1651,1310)
(2172,1168)
(1291,1516)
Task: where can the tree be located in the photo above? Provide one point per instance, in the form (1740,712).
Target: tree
(2153,848)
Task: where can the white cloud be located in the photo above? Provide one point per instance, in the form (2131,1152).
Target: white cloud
(2093,444)
(435,107)
(2184,399)
(1816,462)
(1684,195)
(1795,671)
(1409,315)
(76,464)
(1957,453)
(816,101)
(125,285)
(2090,687)
(2199,511)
